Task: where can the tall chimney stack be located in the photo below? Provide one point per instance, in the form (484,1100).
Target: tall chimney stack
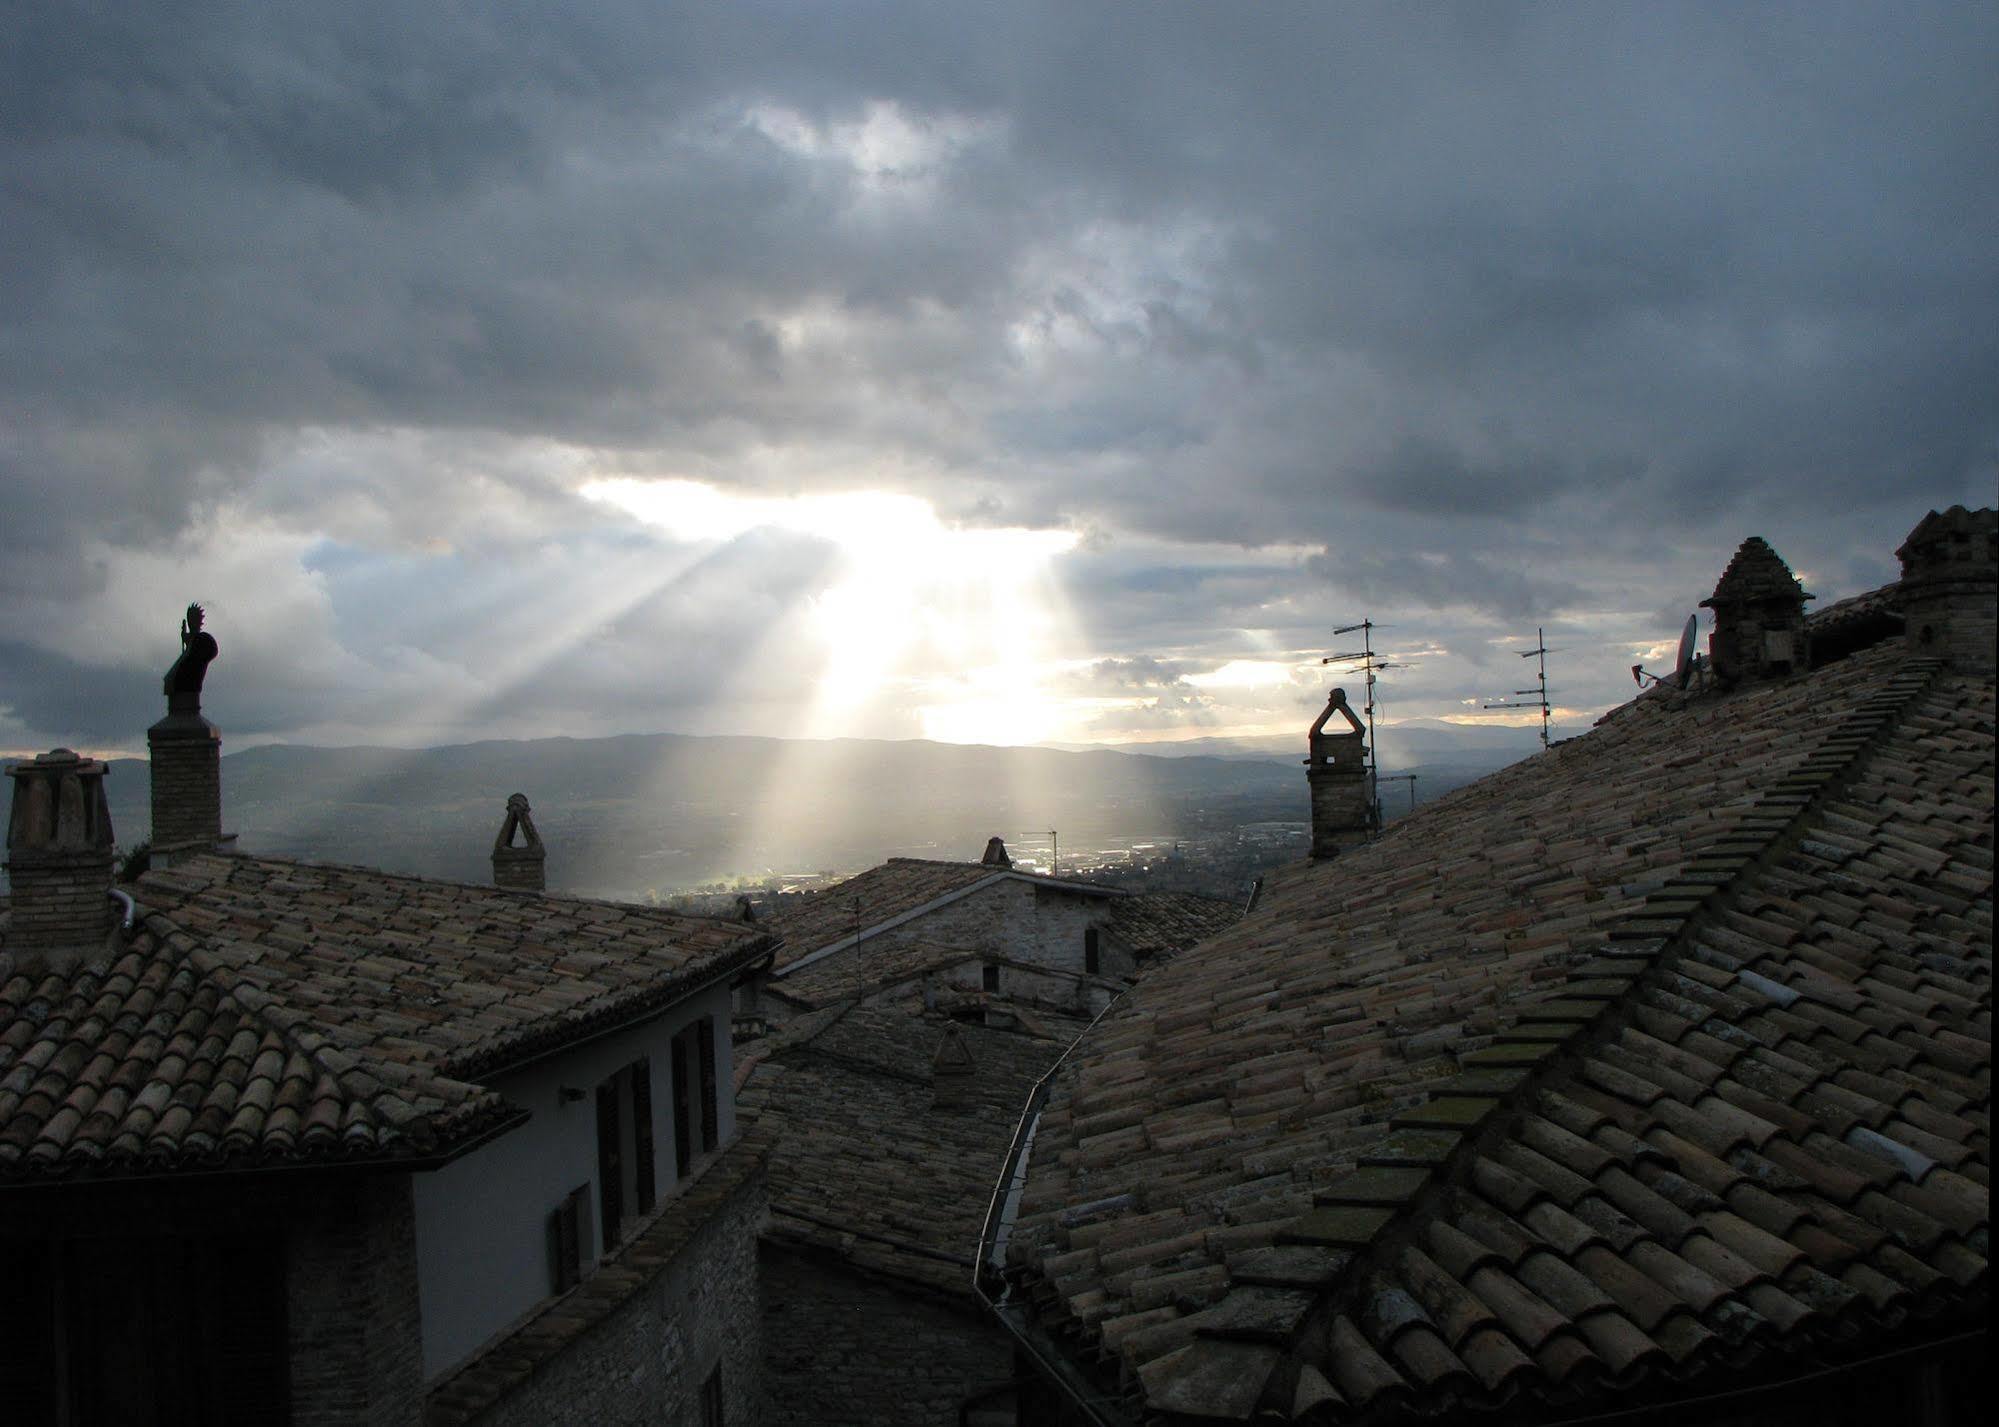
(523,868)
(186,752)
(1336,768)
(59,861)
(1950,587)
(1759,617)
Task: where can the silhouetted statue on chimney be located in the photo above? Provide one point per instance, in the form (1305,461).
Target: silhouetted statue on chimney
(198,649)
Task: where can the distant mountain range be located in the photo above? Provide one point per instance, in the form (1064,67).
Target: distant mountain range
(1430,741)
(622,816)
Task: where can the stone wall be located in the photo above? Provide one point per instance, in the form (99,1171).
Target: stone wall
(846,1350)
(351,1306)
(1019,921)
(696,1306)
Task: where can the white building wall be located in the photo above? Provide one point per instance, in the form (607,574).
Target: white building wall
(482,1220)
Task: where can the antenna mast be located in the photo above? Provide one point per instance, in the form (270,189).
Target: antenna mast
(1540,693)
(1368,663)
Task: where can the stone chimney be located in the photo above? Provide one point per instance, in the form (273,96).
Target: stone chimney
(186,751)
(59,861)
(1950,587)
(1759,618)
(995,854)
(1342,813)
(953,1072)
(523,868)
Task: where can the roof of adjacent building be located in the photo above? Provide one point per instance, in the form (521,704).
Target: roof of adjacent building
(265,1011)
(1663,1050)
(867,1167)
(1152,923)
(897,888)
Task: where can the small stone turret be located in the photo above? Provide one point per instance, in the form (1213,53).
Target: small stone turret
(186,753)
(523,866)
(1950,587)
(59,852)
(1336,769)
(1759,618)
(996,855)
(953,1072)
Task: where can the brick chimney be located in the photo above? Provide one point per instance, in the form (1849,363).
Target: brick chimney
(186,751)
(1950,587)
(525,867)
(59,861)
(1336,768)
(1759,618)
(953,1072)
(995,854)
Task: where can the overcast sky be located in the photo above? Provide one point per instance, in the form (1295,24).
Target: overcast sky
(1012,372)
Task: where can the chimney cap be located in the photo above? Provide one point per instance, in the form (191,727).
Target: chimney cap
(996,854)
(1756,573)
(1966,538)
(59,805)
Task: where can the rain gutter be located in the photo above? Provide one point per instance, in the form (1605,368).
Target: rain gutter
(989,1283)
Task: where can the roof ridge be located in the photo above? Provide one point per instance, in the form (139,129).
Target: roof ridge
(312,864)
(1366,1213)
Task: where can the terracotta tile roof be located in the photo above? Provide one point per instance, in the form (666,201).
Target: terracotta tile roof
(864,970)
(267,1011)
(865,1166)
(1151,923)
(1666,1049)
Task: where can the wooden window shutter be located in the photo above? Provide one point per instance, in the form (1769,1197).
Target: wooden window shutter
(683,1109)
(565,1243)
(610,1162)
(642,1132)
(711,1126)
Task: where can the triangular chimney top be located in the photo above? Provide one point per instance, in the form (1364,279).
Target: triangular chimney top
(523,867)
(952,1070)
(1756,573)
(995,854)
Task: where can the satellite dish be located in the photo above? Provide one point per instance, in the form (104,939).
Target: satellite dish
(1683,665)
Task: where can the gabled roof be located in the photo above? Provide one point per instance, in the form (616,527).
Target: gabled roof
(899,890)
(274,1012)
(866,1167)
(1660,1054)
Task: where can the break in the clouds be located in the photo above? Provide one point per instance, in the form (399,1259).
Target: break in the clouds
(999,372)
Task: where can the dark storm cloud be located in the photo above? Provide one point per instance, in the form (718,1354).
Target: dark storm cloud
(1494,306)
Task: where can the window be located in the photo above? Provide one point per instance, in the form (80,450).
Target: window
(1093,960)
(625,1172)
(697,1104)
(991,978)
(711,1399)
(568,1231)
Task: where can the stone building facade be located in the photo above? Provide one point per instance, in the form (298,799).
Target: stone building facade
(824,1331)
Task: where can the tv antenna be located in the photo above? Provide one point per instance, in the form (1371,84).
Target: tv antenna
(1410,779)
(1054,852)
(1539,693)
(1366,662)
(1685,665)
